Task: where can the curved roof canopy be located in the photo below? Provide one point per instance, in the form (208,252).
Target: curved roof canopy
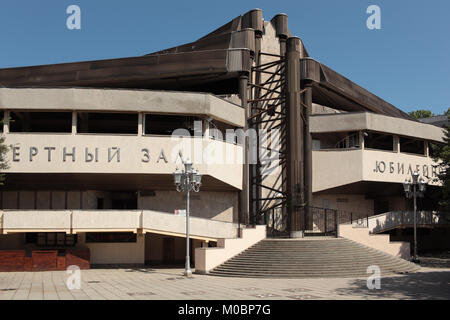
(213,63)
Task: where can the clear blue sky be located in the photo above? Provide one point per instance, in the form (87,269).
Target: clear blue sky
(406,62)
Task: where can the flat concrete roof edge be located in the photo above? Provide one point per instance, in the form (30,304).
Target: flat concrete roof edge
(110,99)
(371,121)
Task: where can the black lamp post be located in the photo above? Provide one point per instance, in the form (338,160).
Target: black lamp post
(186,181)
(414,193)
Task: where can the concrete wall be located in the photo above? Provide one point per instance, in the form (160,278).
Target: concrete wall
(207,259)
(356,203)
(396,167)
(115,253)
(160,222)
(122,153)
(333,168)
(79,221)
(85,220)
(36,221)
(221,206)
(379,242)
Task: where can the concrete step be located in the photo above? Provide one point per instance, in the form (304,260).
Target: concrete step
(310,258)
(261,264)
(293,276)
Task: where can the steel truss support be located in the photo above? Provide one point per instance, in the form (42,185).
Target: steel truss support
(268,117)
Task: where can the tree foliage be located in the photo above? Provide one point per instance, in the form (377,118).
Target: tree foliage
(442,154)
(420,114)
(3,160)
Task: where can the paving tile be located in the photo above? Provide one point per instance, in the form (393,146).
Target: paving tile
(143,284)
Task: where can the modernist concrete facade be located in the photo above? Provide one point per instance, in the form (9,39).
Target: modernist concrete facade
(93,151)
(76,179)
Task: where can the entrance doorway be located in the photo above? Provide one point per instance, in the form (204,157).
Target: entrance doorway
(165,250)
(168,250)
(380,206)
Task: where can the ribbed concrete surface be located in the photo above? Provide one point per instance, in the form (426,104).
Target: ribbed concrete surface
(321,257)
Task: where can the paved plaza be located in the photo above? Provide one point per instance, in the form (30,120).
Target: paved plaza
(167,284)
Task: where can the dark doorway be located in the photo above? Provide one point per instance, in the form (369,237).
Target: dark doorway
(124,200)
(99,203)
(380,206)
(168,250)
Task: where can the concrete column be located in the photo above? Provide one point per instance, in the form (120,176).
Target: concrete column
(206,126)
(295,138)
(6,116)
(361,140)
(427,148)
(308,157)
(396,144)
(255,168)
(254,20)
(244,194)
(74,122)
(140,124)
(282,32)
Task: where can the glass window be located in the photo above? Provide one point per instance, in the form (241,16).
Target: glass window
(412,146)
(99,122)
(108,237)
(315,144)
(167,124)
(373,140)
(51,239)
(40,122)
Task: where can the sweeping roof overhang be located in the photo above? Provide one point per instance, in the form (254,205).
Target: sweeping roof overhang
(217,58)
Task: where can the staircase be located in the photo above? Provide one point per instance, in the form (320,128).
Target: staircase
(311,258)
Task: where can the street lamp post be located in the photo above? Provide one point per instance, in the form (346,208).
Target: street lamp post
(186,181)
(414,193)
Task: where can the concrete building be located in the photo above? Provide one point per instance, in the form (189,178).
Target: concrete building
(93,148)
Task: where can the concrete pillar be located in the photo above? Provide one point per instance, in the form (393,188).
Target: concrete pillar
(206,126)
(255,168)
(295,138)
(140,124)
(396,144)
(74,122)
(282,32)
(308,157)
(6,116)
(361,140)
(244,194)
(253,19)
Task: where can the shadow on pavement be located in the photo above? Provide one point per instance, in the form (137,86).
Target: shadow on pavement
(431,285)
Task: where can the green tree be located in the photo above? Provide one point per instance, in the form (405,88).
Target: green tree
(419,114)
(3,162)
(3,153)
(442,154)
